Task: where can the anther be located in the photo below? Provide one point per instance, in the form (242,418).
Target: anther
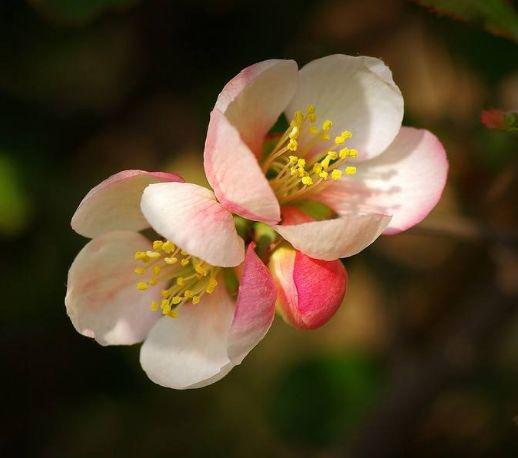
(336,174)
(168,247)
(292,145)
(327,125)
(307,181)
(158,244)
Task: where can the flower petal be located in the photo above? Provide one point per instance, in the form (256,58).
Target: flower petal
(321,287)
(356,93)
(335,238)
(114,204)
(190,351)
(235,175)
(254,99)
(406,181)
(190,216)
(255,307)
(102,300)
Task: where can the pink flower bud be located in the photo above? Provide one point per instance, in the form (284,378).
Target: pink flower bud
(493,119)
(309,291)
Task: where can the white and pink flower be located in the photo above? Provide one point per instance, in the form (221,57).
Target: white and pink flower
(215,329)
(385,180)
(398,173)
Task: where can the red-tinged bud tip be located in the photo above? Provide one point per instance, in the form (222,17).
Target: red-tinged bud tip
(493,119)
(309,291)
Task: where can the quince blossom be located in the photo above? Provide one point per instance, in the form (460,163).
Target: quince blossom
(398,173)
(343,148)
(215,329)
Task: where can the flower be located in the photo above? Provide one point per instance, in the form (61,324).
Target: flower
(343,172)
(195,329)
(341,110)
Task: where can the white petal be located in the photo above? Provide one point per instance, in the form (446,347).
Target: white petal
(254,99)
(102,300)
(114,204)
(356,93)
(190,351)
(406,181)
(235,175)
(190,216)
(335,238)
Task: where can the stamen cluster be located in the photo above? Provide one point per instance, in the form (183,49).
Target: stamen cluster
(188,278)
(293,177)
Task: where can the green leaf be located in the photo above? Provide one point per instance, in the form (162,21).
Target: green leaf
(496,16)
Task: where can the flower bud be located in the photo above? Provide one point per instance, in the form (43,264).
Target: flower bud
(309,291)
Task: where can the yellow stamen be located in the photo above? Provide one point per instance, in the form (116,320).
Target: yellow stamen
(296,167)
(166,307)
(157,245)
(323,175)
(188,278)
(152,254)
(336,174)
(327,125)
(294,134)
(168,247)
(307,181)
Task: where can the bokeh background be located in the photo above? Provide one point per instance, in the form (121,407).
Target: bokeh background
(420,361)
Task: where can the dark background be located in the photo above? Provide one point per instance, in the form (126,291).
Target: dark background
(421,360)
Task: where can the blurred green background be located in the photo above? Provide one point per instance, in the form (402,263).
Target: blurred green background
(421,360)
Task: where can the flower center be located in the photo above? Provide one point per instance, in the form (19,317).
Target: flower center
(290,175)
(187,278)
